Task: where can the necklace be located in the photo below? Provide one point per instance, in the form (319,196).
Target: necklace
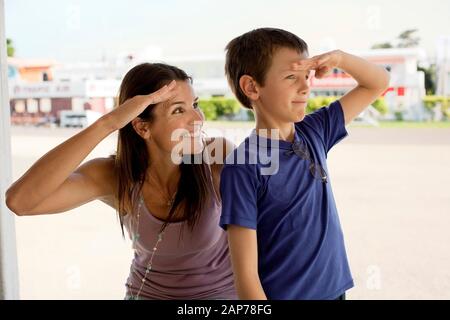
(148,268)
(168,200)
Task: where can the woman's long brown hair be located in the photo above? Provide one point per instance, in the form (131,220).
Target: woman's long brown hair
(132,158)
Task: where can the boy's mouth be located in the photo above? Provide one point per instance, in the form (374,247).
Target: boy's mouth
(300,101)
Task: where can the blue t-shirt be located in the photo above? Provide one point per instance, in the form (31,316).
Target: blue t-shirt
(264,186)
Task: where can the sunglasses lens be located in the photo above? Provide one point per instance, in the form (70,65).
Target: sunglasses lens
(318,172)
(301,151)
(316,169)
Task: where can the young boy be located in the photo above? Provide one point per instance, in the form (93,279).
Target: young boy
(283,227)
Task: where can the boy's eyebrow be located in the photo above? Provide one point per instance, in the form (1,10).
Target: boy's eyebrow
(294,70)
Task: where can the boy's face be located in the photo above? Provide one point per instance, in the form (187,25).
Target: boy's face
(284,96)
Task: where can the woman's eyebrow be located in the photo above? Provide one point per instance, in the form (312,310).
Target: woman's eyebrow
(181,102)
(176,102)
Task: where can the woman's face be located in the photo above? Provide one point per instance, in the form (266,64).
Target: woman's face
(177,123)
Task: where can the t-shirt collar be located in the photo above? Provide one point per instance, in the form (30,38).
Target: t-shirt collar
(261,141)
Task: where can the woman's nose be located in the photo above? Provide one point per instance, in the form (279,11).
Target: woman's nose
(197,115)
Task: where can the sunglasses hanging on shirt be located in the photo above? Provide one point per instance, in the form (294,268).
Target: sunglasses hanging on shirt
(316,169)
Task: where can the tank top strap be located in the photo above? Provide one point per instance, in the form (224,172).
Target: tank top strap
(210,178)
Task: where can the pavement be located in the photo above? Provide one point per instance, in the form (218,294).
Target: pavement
(392,189)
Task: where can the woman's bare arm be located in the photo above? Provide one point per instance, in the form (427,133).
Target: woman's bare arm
(55,183)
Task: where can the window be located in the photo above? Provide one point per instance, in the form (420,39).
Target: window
(45,105)
(32,105)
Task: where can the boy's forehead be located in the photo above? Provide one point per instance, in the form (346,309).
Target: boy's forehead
(284,57)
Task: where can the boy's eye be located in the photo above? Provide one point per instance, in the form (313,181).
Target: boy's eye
(291,76)
(195,105)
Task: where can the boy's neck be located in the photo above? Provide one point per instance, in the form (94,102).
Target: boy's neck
(286,130)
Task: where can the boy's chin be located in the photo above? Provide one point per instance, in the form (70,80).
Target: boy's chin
(298,117)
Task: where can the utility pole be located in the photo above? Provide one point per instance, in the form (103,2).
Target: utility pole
(9,280)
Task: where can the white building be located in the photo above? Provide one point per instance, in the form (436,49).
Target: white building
(94,86)
(443,66)
(405,93)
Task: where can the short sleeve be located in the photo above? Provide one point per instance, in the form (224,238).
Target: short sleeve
(238,190)
(329,123)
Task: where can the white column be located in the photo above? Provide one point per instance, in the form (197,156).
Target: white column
(9,283)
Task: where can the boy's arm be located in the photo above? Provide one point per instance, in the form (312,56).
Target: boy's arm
(244,258)
(372,80)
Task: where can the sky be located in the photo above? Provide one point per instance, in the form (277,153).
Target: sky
(88,30)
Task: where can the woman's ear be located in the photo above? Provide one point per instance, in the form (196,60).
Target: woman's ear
(249,87)
(142,128)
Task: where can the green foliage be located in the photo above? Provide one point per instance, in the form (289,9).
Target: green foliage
(226,107)
(251,115)
(430,102)
(10,48)
(383,45)
(430,78)
(208,108)
(219,107)
(318,102)
(381,105)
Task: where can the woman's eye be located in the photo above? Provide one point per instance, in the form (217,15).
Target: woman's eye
(177,110)
(291,76)
(195,105)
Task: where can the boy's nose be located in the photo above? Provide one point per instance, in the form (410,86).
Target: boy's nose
(304,87)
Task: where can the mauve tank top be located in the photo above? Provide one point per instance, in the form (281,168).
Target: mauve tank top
(195,266)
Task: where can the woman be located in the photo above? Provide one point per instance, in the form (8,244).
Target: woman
(170,209)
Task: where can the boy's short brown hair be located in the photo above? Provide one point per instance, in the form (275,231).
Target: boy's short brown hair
(251,54)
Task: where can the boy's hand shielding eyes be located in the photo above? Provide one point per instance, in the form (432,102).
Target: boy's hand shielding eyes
(323,64)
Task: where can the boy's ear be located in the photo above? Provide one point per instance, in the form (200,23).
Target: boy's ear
(141,127)
(249,87)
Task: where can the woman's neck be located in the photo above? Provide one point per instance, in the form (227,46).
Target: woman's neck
(162,172)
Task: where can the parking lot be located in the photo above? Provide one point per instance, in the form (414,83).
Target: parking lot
(392,188)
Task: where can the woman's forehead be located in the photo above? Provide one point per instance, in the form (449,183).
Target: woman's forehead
(182,93)
(183,89)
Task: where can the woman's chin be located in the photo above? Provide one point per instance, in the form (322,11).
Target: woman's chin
(193,146)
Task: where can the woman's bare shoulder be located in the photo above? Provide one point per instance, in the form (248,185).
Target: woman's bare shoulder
(102,170)
(218,149)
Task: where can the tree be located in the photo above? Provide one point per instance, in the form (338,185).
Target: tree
(383,45)
(10,48)
(407,39)
(430,78)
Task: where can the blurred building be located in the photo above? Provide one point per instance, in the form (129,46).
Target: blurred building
(38,93)
(40,90)
(443,66)
(30,70)
(405,93)
(407,85)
